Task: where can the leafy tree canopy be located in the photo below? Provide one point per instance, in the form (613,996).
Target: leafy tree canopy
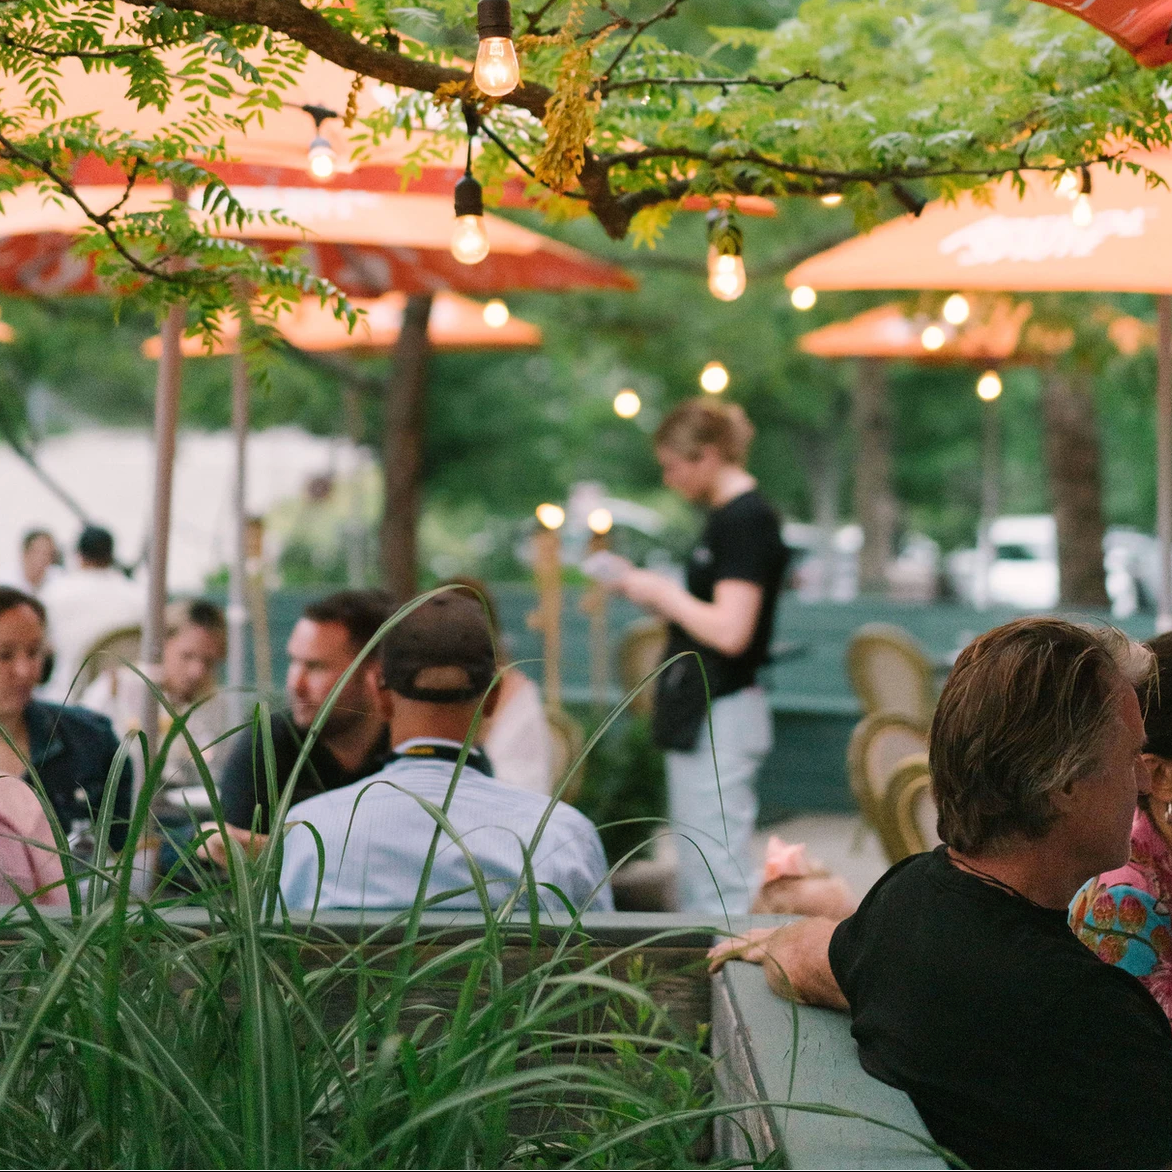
(616,117)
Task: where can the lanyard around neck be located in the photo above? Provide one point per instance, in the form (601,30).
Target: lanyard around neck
(427,751)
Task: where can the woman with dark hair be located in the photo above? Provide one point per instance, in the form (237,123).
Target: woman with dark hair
(1125,916)
(71,749)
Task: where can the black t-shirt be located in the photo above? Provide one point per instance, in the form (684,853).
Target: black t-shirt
(741,540)
(243,785)
(1018,1046)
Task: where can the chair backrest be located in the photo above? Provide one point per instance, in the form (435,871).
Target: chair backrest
(640,653)
(105,654)
(568,739)
(879,744)
(911,809)
(890,672)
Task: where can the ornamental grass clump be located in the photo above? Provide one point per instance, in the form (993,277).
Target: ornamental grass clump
(199,1024)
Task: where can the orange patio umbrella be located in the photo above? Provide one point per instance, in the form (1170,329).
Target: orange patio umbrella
(1142,27)
(365,242)
(1116,236)
(998,331)
(1030,244)
(455,323)
(368,243)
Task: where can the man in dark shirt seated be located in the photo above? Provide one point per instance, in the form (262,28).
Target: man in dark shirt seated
(967,989)
(353,742)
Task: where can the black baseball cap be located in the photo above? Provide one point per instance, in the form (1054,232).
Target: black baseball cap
(442,652)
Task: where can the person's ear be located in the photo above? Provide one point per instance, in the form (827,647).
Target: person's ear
(1161,771)
(490,702)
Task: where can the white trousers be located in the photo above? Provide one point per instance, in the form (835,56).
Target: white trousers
(713,810)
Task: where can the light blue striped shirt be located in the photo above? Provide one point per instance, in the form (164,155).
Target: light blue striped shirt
(380,864)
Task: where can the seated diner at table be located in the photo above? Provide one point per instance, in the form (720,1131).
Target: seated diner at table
(1125,915)
(966,988)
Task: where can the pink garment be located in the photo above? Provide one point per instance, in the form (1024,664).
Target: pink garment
(24,867)
(1125,915)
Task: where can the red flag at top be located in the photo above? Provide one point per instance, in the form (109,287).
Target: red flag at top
(1142,27)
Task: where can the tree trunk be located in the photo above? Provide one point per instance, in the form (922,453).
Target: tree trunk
(875,504)
(1073,459)
(403,450)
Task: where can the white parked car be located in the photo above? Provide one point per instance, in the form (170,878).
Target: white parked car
(1024,572)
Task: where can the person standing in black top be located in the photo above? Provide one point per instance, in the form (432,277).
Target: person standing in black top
(1019,1047)
(353,742)
(725,619)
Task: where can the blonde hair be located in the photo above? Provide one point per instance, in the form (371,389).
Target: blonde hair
(1026,709)
(699,422)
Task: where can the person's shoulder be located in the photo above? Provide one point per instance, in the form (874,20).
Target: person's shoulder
(752,506)
(69,718)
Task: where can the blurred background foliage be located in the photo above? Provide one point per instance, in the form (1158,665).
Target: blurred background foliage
(506,430)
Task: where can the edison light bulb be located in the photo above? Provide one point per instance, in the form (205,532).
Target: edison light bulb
(803,297)
(551,516)
(321,158)
(627,404)
(469,240)
(496,313)
(599,521)
(832,199)
(989,386)
(1082,213)
(956,309)
(1067,185)
(714,378)
(497,71)
(932,338)
(726,275)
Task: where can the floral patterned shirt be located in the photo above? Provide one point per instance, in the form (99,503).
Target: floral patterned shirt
(1125,916)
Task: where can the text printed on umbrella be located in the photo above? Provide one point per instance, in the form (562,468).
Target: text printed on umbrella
(1036,238)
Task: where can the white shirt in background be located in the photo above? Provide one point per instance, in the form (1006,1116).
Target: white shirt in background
(387,837)
(519,742)
(120,694)
(85,605)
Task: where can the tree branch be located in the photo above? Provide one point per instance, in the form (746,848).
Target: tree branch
(665,13)
(102,220)
(311,29)
(723,83)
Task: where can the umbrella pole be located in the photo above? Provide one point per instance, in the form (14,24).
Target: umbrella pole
(237,571)
(990,494)
(1164,459)
(403,449)
(166,426)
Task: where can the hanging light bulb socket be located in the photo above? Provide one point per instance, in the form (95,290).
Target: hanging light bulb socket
(1082,213)
(322,157)
(497,71)
(469,239)
(726,263)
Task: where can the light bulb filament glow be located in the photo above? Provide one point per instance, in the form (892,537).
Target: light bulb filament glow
(726,274)
(933,338)
(599,521)
(989,386)
(714,378)
(469,240)
(496,313)
(627,404)
(803,297)
(551,516)
(497,71)
(956,309)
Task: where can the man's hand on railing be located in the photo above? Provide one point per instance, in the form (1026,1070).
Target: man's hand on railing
(796,959)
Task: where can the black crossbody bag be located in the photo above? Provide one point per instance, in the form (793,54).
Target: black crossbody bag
(681,701)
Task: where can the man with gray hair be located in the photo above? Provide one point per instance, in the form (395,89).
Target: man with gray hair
(966,987)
